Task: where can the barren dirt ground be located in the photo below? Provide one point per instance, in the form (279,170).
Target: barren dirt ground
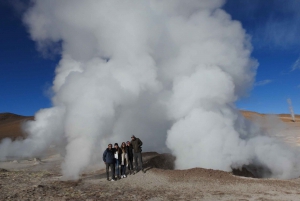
(41,180)
(34,180)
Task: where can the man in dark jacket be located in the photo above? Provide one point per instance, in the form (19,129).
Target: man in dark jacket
(109,160)
(130,156)
(136,144)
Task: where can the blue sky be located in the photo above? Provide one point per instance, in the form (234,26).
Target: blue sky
(274,27)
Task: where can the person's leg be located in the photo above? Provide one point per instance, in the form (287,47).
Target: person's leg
(124,170)
(112,169)
(131,163)
(136,161)
(121,170)
(107,170)
(117,168)
(140,161)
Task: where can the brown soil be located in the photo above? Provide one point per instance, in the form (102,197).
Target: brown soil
(27,181)
(283,117)
(11,125)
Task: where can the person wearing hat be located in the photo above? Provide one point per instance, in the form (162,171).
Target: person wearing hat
(129,156)
(136,144)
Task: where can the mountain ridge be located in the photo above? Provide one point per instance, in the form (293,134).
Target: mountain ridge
(11,124)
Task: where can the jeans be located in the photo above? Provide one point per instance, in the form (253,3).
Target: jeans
(123,169)
(130,164)
(117,168)
(138,156)
(112,169)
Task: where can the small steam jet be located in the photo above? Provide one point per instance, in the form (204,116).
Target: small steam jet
(291,109)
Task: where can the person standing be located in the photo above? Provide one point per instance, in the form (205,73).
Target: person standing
(124,160)
(109,160)
(118,157)
(129,156)
(136,144)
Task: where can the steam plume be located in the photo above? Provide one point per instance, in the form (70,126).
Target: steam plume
(167,71)
(291,109)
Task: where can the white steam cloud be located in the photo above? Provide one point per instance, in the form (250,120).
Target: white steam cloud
(166,71)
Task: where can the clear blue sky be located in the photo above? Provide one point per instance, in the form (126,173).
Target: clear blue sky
(274,26)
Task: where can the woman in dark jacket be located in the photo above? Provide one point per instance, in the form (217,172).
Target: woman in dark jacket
(118,158)
(129,156)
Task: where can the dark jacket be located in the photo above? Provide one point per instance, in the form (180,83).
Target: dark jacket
(119,154)
(136,145)
(129,152)
(108,156)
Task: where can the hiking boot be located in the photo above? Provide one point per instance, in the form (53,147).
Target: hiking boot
(124,176)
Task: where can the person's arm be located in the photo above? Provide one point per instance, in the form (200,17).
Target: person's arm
(104,156)
(140,142)
(126,158)
(120,153)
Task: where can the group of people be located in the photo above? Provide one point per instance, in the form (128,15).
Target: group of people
(118,158)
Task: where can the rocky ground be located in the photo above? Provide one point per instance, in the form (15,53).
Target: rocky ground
(41,180)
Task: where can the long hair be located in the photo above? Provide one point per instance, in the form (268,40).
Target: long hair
(123,147)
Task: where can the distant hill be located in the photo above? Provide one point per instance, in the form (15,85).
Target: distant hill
(284,117)
(10,125)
